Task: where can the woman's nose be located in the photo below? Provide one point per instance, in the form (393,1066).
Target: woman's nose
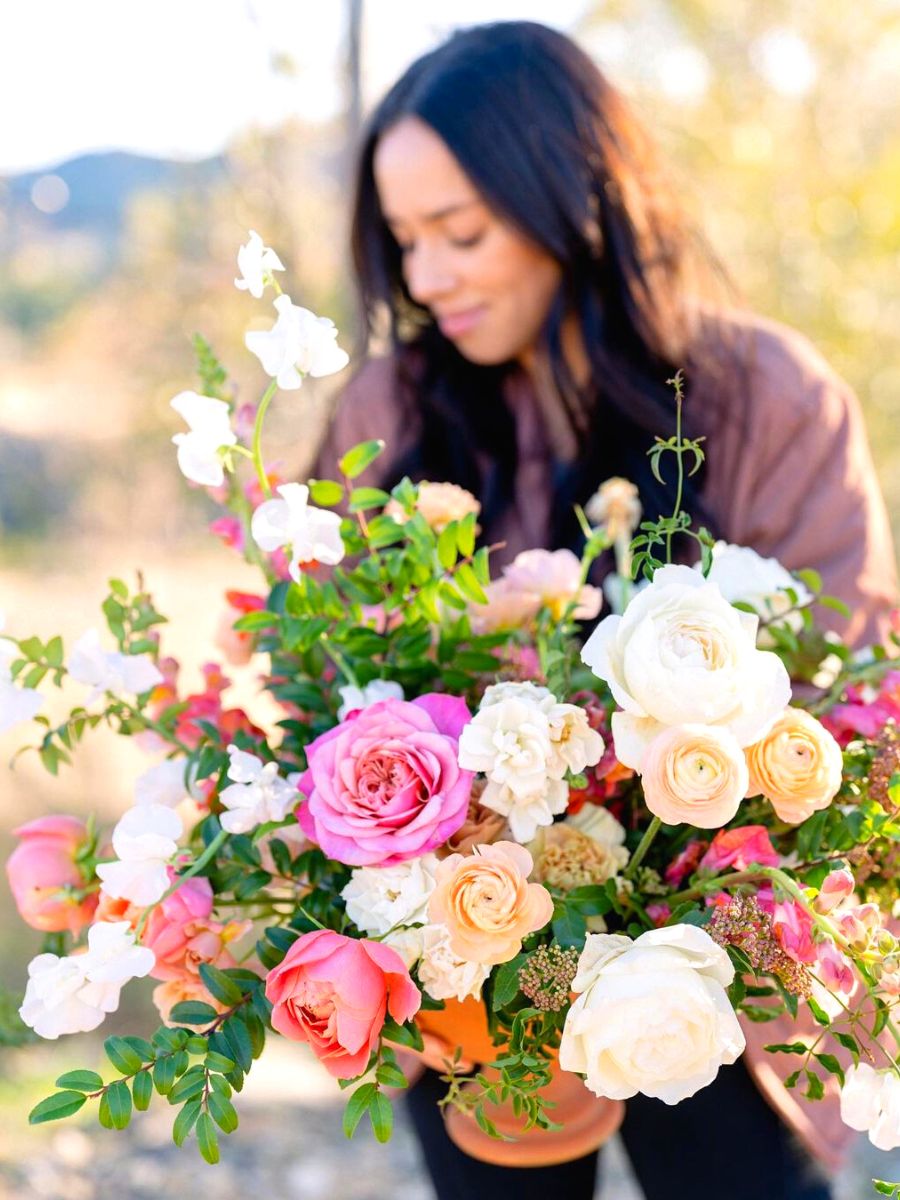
(429,276)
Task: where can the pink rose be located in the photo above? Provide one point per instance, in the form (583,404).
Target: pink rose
(174,922)
(335,992)
(41,866)
(738,848)
(386,785)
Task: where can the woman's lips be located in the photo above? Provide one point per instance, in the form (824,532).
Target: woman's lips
(458,323)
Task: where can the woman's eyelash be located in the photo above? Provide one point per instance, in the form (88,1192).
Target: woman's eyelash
(457,243)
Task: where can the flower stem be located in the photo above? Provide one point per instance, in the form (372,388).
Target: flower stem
(257,437)
(646,841)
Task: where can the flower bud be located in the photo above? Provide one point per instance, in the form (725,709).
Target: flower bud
(836,887)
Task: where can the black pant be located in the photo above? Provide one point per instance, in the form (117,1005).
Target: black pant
(725,1143)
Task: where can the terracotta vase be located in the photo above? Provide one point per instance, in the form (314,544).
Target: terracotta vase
(586,1121)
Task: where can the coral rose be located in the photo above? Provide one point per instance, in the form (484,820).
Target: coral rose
(694,775)
(386,785)
(487,903)
(41,867)
(335,993)
(797,766)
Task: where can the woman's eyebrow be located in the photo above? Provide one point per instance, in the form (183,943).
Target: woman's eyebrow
(438,215)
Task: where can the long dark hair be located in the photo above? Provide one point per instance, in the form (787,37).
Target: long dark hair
(554,150)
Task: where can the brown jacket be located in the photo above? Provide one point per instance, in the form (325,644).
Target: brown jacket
(792,478)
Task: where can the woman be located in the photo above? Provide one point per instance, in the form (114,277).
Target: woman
(520,251)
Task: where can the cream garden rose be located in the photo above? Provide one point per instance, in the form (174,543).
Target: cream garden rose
(652,1015)
(797,766)
(694,775)
(682,655)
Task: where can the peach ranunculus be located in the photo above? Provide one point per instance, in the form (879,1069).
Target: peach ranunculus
(554,577)
(694,775)
(439,504)
(487,903)
(797,766)
(335,993)
(174,991)
(43,874)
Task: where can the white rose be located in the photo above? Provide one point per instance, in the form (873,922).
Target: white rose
(681,655)
(510,742)
(380,898)
(442,974)
(526,813)
(742,574)
(652,1015)
(870,1103)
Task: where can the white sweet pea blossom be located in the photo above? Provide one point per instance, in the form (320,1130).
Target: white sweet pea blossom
(354,698)
(314,534)
(258,794)
(442,974)
(109,670)
(256,262)
(74,994)
(380,898)
(870,1103)
(162,784)
(298,344)
(210,431)
(16,703)
(144,840)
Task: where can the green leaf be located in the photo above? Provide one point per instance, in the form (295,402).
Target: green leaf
(142,1089)
(831,1064)
(122,1056)
(80,1081)
(815,1089)
(381,1114)
(223,1112)
(54,1108)
(164,1075)
(256,620)
(238,1039)
(446,547)
(118,1100)
(403,1035)
(355,461)
(193,1012)
(506,982)
(786,1048)
(569,927)
(207,1138)
(189,1086)
(390,1075)
(219,985)
(363,498)
(185,1121)
(848,1042)
(465,535)
(218,1062)
(356,1106)
(325,492)
(821,1017)
(467,582)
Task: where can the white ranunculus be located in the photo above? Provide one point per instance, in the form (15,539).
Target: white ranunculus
(163,783)
(510,742)
(258,793)
(144,841)
(210,431)
(742,574)
(354,698)
(442,974)
(16,703)
(525,814)
(298,344)
(256,262)
(682,655)
(652,1015)
(109,670)
(380,898)
(870,1103)
(574,744)
(314,534)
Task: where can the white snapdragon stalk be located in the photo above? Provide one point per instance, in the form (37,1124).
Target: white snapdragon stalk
(256,262)
(258,793)
(442,973)
(380,898)
(870,1103)
(16,703)
(298,344)
(163,784)
(109,670)
(354,698)
(682,655)
(144,840)
(74,994)
(313,534)
(199,457)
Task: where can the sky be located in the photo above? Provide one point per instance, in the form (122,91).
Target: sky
(178,78)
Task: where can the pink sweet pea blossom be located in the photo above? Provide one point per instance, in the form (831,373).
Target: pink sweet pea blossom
(836,887)
(738,848)
(41,866)
(335,993)
(386,785)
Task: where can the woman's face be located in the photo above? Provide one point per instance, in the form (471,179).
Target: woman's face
(488,287)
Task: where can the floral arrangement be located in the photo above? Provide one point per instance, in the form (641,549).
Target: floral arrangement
(618,844)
